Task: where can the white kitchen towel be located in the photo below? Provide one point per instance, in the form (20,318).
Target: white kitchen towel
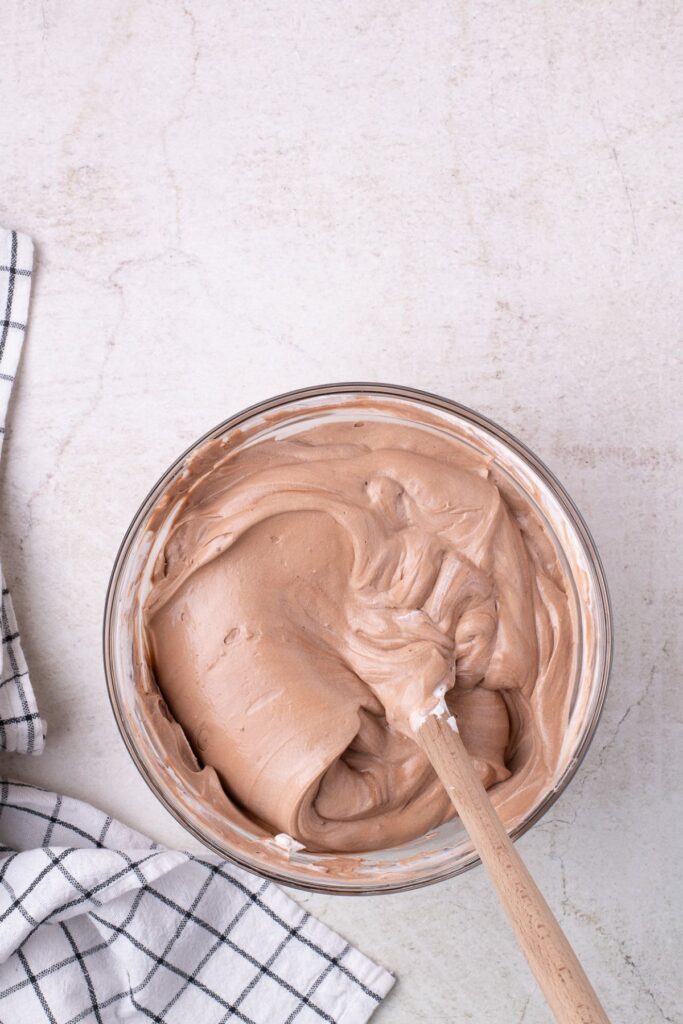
(98,923)
(21,728)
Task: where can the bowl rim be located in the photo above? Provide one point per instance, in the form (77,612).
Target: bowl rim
(435,401)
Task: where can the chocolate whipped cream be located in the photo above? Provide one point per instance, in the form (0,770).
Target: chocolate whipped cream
(312,597)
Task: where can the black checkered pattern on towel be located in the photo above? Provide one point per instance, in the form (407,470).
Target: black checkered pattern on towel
(21,728)
(99,924)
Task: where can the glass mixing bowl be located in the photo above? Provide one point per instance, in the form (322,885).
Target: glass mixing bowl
(446,850)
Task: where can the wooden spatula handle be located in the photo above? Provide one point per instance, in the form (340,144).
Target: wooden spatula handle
(553,961)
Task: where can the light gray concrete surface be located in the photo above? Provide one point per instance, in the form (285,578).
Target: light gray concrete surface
(482,199)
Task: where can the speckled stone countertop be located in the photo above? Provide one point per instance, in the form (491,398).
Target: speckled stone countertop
(230,200)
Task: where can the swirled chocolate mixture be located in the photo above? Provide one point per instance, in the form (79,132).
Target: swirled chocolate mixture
(314,594)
